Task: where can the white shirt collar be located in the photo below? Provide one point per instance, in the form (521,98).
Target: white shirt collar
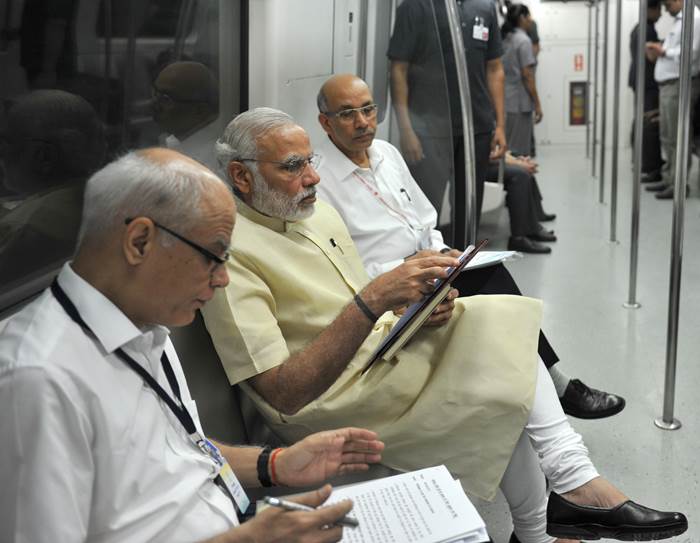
(340,165)
(112,328)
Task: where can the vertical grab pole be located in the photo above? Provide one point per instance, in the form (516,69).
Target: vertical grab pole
(596,71)
(603,111)
(631,302)
(588,81)
(666,421)
(615,125)
(467,121)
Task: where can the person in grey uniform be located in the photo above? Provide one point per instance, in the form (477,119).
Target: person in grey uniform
(521,99)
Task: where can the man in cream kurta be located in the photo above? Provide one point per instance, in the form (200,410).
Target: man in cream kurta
(458,394)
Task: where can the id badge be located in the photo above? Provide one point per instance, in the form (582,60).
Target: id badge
(226,473)
(480,32)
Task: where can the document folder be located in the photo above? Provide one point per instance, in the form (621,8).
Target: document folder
(417,313)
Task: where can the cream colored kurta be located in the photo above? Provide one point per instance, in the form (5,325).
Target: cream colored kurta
(459,394)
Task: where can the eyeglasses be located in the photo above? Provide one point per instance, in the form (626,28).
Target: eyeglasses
(347,115)
(205,252)
(294,166)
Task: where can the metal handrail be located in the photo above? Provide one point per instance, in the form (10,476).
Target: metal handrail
(615,125)
(604,109)
(588,81)
(667,421)
(596,71)
(640,90)
(467,120)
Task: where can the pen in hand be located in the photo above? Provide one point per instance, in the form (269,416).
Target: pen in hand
(346,521)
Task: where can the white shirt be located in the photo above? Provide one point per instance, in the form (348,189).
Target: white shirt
(386,212)
(88,451)
(668,66)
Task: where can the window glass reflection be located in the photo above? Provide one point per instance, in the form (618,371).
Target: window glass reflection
(82,82)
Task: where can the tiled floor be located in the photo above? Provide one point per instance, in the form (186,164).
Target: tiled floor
(584,283)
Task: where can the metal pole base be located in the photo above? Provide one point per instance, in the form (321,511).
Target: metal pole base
(675,424)
(631,305)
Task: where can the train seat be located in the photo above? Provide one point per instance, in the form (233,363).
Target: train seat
(226,412)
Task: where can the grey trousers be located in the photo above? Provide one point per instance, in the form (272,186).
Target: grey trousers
(668,124)
(519,127)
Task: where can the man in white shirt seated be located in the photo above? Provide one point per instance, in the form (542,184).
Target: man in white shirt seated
(101,440)
(391,220)
(667,56)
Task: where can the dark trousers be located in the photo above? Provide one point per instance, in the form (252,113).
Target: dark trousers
(651,142)
(482,149)
(523,198)
(498,280)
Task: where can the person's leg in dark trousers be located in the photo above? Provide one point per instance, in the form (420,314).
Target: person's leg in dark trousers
(482,149)
(577,399)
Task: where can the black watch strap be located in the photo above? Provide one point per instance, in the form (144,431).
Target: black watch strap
(263,461)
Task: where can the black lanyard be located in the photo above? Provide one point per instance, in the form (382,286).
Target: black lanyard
(178,410)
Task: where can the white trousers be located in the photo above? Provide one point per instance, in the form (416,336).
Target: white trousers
(548,447)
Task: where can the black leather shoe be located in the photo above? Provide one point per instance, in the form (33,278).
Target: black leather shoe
(583,402)
(544,217)
(651,177)
(526,245)
(667,193)
(513,538)
(628,521)
(543,235)
(657,187)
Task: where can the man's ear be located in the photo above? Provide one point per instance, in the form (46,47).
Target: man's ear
(325,122)
(44,157)
(241,177)
(139,240)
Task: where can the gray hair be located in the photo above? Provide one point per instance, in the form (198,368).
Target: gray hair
(135,186)
(239,140)
(322,101)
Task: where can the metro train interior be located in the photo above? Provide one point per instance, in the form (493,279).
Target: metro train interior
(620,327)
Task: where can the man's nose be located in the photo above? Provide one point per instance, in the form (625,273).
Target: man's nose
(219,277)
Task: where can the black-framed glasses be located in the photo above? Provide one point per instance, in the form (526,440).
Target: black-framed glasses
(205,252)
(346,115)
(294,166)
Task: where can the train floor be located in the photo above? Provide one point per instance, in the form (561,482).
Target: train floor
(584,282)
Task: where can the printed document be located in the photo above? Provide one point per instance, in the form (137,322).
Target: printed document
(424,506)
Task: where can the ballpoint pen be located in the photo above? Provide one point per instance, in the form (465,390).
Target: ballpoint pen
(346,521)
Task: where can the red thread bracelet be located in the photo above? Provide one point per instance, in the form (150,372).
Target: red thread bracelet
(273,473)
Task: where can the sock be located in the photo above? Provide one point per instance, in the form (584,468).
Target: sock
(560,379)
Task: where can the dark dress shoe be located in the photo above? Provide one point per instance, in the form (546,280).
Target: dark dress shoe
(583,402)
(543,235)
(667,193)
(651,177)
(657,187)
(628,521)
(526,245)
(544,217)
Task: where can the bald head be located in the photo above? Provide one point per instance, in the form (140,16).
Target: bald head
(335,88)
(348,114)
(186,97)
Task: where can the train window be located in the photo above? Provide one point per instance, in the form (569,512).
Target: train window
(159,18)
(79,88)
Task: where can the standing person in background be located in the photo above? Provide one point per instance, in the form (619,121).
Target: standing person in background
(651,146)
(667,57)
(521,99)
(483,49)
